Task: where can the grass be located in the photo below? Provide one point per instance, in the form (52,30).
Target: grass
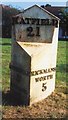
(6,58)
(0,64)
(62,63)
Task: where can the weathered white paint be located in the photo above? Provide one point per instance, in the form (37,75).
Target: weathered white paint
(36,11)
(45,32)
(33,54)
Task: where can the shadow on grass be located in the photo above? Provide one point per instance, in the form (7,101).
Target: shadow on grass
(62,68)
(0,97)
(5,44)
(8,99)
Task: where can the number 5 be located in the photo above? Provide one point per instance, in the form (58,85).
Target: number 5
(44,87)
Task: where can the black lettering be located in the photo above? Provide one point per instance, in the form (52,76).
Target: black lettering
(51,76)
(30,31)
(49,70)
(35,21)
(36,73)
(36,79)
(20,20)
(32,73)
(53,69)
(41,78)
(45,71)
(44,87)
(23,21)
(55,22)
(46,21)
(50,22)
(44,77)
(40,71)
(37,31)
(43,22)
(48,77)
(27,20)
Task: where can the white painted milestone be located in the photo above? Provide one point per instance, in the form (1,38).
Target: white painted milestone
(34,53)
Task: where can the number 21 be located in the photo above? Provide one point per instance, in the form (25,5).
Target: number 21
(30,31)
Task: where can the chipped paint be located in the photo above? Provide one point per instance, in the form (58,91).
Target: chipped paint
(33,57)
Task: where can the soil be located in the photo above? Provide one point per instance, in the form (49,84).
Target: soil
(54,106)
